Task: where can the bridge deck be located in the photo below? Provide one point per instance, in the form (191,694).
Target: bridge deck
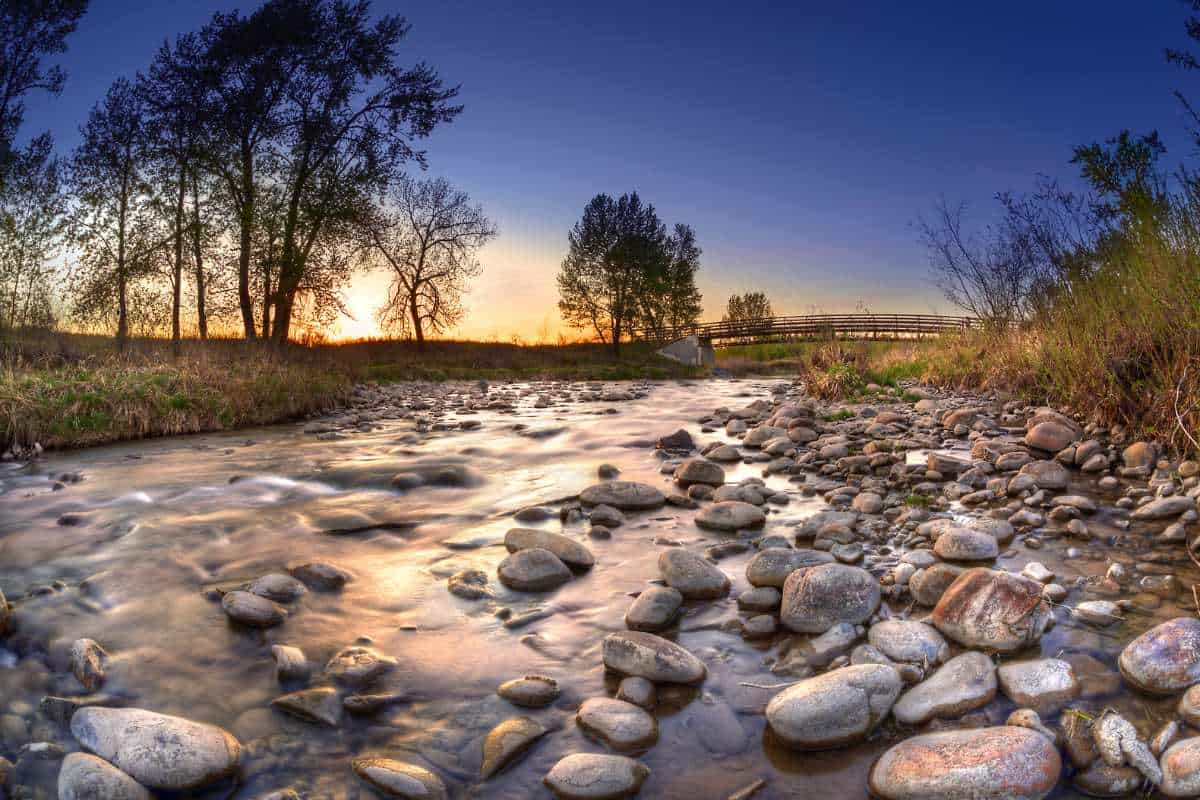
(821,326)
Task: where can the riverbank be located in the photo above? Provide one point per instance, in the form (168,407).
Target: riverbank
(66,390)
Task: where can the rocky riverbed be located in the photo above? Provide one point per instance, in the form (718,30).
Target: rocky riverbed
(716,589)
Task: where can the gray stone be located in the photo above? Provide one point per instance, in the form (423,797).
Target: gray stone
(835,709)
(321,705)
(699,470)
(568,551)
(533,570)
(507,742)
(652,657)
(358,666)
(1044,685)
(908,640)
(816,599)
(730,515)
(252,610)
(654,609)
(85,777)
(157,750)
(1181,769)
(1164,508)
(965,544)
(393,778)
(1164,659)
(290,663)
(772,565)
(623,495)
(963,683)
(692,576)
(278,587)
(622,726)
(531,691)
(596,776)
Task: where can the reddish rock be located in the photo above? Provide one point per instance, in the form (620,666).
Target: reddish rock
(992,610)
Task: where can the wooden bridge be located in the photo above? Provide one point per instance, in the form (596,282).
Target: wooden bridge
(817,326)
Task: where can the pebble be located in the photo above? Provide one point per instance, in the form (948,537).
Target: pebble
(531,691)
(252,610)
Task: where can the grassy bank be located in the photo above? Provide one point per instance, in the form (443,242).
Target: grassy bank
(837,369)
(67,390)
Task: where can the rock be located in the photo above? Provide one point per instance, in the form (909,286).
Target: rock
(772,565)
(1046,474)
(867,503)
(358,666)
(835,709)
(278,587)
(816,599)
(929,584)
(568,551)
(1164,507)
(320,705)
(1001,763)
(1189,706)
(1118,743)
(87,663)
(623,495)
(5,615)
(680,440)
(1101,613)
(907,640)
(1140,455)
(1050,436)
(691,575)
(652,657)
(992,610)
(606,516)
(85,777)
(1164,659)
(1044,685)
(759,436)
(699,470)
(595,776)
(965,544)
(393,778)
(531,691)
(1028,718)
(1037,571)
(760,598)
(365,705)
(320,575)
(638,691)
(157,750)
(730,515)
(290,663)
(726,453)
(469,584)
(622,726)
(963,683)
(1102,780)
(1181,769)
(507,742)
(654,609)
(533,570)
(252,610)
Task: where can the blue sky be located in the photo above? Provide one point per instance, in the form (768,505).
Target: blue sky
(800,140)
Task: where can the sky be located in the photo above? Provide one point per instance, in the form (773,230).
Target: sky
(800,140)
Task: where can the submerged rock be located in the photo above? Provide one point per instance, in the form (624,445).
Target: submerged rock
(252,610)
(595,776)
(692,576)
(623,495)
(652,657)
(622,726)
(835,709)
(532,691)
(730,515)
(85,777)
(1164,659)
(533,570)
(507,742)
(157,750)
(320,705)
(394,778)
(358,666)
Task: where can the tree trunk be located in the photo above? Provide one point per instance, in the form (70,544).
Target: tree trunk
(266,298)
(198,255)
(122,302)
(177,293)
(415,313)
(246,225)
(616,338)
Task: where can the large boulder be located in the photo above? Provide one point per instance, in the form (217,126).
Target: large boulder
(692,576)
(157,750)
(1002,763)
(816,599)
(771,566)
(651,657)
(699,470)
(835,709)
(963,683)
(1140,455)
(992,610)
(731,515)
(624,495)
(1164,659)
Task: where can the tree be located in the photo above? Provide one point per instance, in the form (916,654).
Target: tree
(350,120)
(30,30)
(31,205)
(112,220)
(748,309)
(671,300)
(428,235)
(616,252)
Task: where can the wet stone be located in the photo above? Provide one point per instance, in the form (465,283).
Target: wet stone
(654,609)
(692,576)
(652,657)
(321,705)
(469,584)
(622,726)
(1044,685)
(85,777)
(638,691)
(908,640)
(596,776)
(320,575)
(393,778)
(623,495)
(531,691)
(992,610)
(358,666)
(278,587)
(87,663)
(568,551)
(963,683)
(772,565)
(507,742)
(1164,659)
(251,610)
(533,570)
(290,663)
(816,599)
(835,709)
(730,515)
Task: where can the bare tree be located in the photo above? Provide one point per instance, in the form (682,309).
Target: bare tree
(428,234)
(31,205)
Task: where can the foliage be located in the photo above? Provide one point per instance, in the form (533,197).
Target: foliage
(31,204)
(748,309)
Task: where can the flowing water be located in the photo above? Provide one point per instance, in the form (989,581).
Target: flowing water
(131,555)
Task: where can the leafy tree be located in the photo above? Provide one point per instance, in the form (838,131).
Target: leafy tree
(112,220)
(31,205)
(30,30)
(428,235)
(671,302)
(748,309)
(624,273)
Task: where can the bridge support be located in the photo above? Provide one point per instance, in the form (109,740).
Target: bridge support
(691,350)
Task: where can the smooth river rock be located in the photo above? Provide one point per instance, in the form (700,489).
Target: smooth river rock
(358,666)
(965,544)
(622,726)
(1045,684)
(1001,763)
(596,776)
(251,610)
(730,515)
(699,470)
(157,750)
(393,778)
(963,683)
(568,551)
(771,566)
(85,777)
(1164,659)
(909,640)
(651,657)
(992,610)
(1181,769)
(654,609)
(837,708)
(531,691)
(691,575)
(533,570)
(507,742)
(623,495)
(816,599)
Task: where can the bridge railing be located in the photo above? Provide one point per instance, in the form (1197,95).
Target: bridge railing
(813,326)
